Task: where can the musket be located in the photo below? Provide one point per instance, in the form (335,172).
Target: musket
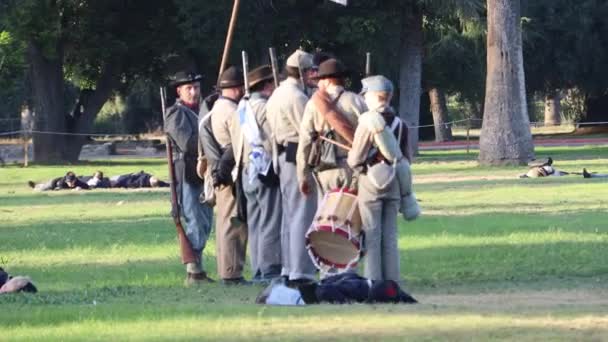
(368,64)
(245,71)
(274,65)
(331,141)
(228,43)
(300,71)
(187,252)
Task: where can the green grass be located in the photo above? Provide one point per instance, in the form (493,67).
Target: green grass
(483,260)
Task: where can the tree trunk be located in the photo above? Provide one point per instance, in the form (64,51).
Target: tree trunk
(553,109)
(439,108)
(595,110)
(475,110)
(52,116)
(505,133)
(92,102)
(410,73)
(47,88)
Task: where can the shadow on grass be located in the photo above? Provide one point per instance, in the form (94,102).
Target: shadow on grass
(507,262)
(499,224)
(159,229)
(512,207)
(145,320)
(435,266)
(85,196)
(527,183)
(557,153)
(100,234)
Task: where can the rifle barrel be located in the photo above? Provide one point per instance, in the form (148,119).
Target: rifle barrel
(245,71)
(275,66)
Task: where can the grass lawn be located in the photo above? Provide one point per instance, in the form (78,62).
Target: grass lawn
(494,257)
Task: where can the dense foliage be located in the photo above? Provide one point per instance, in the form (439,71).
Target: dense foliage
(131,46)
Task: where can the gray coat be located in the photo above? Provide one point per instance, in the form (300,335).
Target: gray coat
(181,124)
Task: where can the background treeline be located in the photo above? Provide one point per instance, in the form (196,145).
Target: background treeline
(97,65)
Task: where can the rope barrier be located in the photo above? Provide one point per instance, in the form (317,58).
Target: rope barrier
(134,135)
(69,134)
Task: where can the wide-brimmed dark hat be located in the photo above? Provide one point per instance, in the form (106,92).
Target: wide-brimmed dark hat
(259,74)
(184,77)
(320,57)
(331,68)
(231,77)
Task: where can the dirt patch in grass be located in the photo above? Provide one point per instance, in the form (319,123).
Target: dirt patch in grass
(531,299)
(447,178)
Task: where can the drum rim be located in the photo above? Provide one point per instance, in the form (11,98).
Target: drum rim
(340,231)
(321,259)
(355,240)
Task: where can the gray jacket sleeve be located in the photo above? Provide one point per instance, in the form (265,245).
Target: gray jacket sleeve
(212,149)
(180,129)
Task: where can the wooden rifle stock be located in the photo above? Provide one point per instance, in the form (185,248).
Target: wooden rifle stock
(187,252)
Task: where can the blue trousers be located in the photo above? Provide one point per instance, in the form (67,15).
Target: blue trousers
(198,217)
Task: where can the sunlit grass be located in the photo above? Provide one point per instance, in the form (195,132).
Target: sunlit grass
(107,262)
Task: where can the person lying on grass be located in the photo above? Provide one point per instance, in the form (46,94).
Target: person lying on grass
(343,288)
(69,181)
(10,284)
(97,180)
(546,169)
(137,180)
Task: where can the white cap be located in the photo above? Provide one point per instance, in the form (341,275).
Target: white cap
(300,59)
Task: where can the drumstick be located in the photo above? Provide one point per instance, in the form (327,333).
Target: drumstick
(347,148)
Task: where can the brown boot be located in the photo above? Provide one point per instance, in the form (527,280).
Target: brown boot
(198,278)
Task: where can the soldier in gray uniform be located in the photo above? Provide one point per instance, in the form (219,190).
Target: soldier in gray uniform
(378,151)
(285,109)
(253,156)
(348,107)
(216,126)
(181,124)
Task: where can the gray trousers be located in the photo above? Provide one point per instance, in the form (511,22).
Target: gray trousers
(47,186)
(264,216)
(298,213)
(379,209)
(198,220)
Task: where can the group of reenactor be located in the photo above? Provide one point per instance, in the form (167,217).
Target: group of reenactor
(264,156)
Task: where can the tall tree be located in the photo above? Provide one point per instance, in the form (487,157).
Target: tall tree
(566,47)
(12,79)
(553,109)
(97,46)
(505,134)
(453,64)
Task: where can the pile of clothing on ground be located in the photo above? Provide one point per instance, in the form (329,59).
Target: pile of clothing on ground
(10,284)
(344,288)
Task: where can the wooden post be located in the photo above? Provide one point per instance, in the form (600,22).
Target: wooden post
(468,135)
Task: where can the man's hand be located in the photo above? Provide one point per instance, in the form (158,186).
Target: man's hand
(201,167)
(215,180)
(305,188)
